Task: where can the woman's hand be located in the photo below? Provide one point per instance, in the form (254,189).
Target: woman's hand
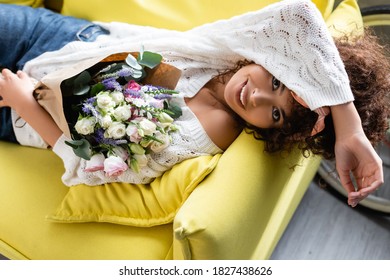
(355,155)
(15,89)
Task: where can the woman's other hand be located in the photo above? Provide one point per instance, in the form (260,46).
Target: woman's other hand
(355,155)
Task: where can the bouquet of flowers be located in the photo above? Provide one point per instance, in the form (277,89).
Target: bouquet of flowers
(121,120)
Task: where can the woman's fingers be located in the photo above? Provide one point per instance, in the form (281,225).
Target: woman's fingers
(7,74)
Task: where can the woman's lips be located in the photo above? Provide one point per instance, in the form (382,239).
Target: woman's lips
(243,95)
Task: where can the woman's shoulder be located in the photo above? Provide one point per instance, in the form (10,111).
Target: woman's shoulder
(222,128)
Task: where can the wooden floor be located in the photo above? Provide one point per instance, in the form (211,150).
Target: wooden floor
(324,227)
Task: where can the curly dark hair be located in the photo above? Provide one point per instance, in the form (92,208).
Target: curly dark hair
(367,64)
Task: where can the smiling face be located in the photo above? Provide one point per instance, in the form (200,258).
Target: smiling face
(257,97)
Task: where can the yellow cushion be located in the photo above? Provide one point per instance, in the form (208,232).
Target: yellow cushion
(32,3)
(171,14)
(136,205)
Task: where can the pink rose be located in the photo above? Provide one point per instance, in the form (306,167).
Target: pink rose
(114,166)
(133,85)
(96,163)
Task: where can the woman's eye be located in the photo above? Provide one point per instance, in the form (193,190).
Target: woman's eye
(275,83)
(275,114)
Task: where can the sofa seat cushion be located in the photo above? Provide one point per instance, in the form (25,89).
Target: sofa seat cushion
(31,188)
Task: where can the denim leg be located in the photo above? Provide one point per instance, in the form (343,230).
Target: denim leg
(27,33)
(6,129)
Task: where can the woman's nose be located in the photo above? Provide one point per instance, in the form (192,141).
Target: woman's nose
(260,97)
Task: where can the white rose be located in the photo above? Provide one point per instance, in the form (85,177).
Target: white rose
(147,127)
(116,130)
(85,126)
(157,146)
(105,101)
(118,97)
(105,121)
(122,113)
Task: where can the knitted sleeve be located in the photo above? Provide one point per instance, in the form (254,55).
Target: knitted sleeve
(291,40)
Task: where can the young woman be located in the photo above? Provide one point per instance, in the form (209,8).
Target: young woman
(288,39)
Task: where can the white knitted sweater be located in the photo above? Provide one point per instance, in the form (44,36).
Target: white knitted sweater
(289,38)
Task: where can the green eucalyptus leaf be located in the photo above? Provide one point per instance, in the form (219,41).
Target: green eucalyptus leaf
(150,59)
(81,148)
(138,74)
(97,88)
(82,90)
(133,63)
(81,83)
(77,85)
(174,111)
(74,143)
(82,79)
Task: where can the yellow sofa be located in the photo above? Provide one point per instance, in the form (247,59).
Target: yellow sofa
(233,206)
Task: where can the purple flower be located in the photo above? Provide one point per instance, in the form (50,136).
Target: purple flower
(99,138)
(88,105)
(125,72)
(112,83)
(162,96)
(132,93)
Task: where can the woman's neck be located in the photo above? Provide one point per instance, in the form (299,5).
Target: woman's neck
(216,88)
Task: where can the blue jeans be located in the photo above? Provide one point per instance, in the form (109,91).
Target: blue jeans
(26,33)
